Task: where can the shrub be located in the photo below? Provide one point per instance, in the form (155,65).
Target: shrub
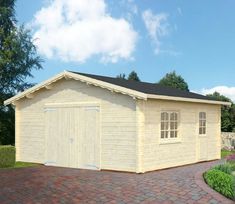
(221,182)
(7,156)
(231,159)
(226,168)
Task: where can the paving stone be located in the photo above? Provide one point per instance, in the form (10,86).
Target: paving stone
(196,197)
(213,201)
(64,185)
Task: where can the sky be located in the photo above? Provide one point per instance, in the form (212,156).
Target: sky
(152,37)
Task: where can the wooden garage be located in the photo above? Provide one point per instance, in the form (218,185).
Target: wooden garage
(95,122)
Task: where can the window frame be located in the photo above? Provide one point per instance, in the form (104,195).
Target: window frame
(200,121)
(169,130)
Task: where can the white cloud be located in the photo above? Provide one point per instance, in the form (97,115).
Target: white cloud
(179,11)
(127,8)
(171,52)
(75,30)
(157,27)
(224,90)
(132,6)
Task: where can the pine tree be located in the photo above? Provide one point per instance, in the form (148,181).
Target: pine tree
(18,57)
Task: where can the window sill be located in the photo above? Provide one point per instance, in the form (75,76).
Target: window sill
(162,142)
(202,135)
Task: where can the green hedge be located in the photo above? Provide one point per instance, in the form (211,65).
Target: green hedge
(221,182)
(7,156)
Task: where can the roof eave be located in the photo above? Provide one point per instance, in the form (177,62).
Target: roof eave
(114,88)
(183,99)
(34,88)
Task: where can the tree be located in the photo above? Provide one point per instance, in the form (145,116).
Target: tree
(227,113)
(133,76)
(173,80)
(121,76)
(18,57)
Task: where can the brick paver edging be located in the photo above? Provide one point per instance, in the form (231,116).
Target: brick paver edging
(199,180)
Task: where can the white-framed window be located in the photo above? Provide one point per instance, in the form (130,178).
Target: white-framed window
(169,124)
(202,123)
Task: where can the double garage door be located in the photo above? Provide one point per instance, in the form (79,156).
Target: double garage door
(72,136)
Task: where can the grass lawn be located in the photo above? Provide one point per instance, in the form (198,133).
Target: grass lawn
(22,165)
(225,153)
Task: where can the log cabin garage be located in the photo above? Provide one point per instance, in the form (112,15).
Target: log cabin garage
(95,122)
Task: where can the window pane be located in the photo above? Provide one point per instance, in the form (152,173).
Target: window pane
(204,115)
(166,116)
(176,125)
(162,134)
(204,130)
(166,125)
(162,125)
(172,127)
(175,133)
(172,134)
(162,116)
(204,123)
(200,130)
(172,116)
(200,123)
(166,134)
(176,116)
(200,115)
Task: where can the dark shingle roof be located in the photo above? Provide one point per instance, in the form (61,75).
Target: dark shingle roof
(147,88)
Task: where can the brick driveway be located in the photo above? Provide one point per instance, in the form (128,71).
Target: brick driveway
(63,185)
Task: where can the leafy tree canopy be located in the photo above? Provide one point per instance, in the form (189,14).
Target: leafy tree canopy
(217,96)
(133,76)
(173,80)
(18,57)
(227,113)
